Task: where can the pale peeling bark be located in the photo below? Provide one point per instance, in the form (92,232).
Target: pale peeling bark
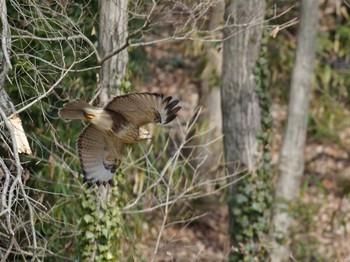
(20,136)
(240,104)
(291,165)
(113,32)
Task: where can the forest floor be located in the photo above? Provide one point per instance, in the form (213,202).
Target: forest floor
(322,227)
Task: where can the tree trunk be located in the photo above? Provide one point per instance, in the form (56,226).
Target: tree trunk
(210,95)
(209,98)
(291,164)
(113,32)
(102,221)
(240,103)
(240,107)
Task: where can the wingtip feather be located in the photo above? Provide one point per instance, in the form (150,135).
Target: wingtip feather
(171,109)
(170,105)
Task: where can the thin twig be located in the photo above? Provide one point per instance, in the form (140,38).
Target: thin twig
(45,94)
(166,210)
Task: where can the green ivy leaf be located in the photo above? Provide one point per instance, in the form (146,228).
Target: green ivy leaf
(88,218)
(105,232)
(109,256)
(89,235)
(85,203)
(240,198)
(103,248)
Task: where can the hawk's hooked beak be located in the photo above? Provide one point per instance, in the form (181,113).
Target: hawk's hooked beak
(144,134)
(89,116)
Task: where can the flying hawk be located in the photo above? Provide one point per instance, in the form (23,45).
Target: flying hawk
(101,144)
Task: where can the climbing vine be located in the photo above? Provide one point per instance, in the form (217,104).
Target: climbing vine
(253,195)
(102,222)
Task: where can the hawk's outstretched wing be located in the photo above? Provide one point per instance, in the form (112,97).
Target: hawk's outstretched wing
(99,153)
(143,108)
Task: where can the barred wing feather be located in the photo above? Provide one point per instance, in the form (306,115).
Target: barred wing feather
(100,154)
(143,108)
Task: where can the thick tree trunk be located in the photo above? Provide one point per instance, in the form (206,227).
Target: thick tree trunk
(113,32)
(240,104)
(291,165)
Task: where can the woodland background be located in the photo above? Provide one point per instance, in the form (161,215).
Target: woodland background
(170,197)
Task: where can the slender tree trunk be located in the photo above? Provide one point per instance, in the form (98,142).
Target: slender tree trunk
(291,165)
(102,223)
(209,96)
(240,103)
(113,32)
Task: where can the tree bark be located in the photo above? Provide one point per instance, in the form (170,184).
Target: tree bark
(240,103)
(106,224)
(240,107)
(209,95)
(113,32)
(291,163)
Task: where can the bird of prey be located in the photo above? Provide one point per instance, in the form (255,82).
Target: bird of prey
(101,144)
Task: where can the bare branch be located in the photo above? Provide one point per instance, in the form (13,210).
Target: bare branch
(17,182)
(5,35)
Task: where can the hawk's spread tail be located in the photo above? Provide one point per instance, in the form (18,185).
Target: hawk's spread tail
(75,110)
